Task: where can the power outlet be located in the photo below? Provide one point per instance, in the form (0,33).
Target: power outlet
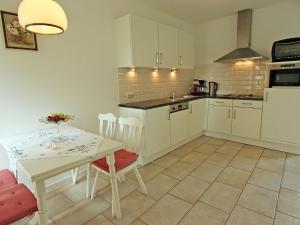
(130,95)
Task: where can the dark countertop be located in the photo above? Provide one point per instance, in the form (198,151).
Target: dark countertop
(155,103)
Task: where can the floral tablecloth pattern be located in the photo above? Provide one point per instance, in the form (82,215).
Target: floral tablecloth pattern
(38,145)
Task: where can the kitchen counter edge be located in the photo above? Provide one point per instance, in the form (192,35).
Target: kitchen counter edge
(145,105)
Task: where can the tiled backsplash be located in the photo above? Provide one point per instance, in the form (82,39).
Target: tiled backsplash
(240,78)
(147,84)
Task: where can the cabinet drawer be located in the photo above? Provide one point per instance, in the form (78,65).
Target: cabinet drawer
(248,104)
(220,102)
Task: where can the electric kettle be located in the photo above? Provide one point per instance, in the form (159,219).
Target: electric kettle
(213,87)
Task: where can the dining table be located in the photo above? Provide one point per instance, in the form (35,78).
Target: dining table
(42,169)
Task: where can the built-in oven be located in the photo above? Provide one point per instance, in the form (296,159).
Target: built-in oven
(285,76)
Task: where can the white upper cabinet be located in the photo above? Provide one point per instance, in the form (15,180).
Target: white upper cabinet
(281,115)
(185,50)
(145,43)
(168,46)
(136,42)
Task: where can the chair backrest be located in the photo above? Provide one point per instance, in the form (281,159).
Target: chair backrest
(108,125)
(130,132)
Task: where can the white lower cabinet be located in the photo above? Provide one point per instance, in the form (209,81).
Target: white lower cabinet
(179,126)
(281,112)
(240,118)
(157,130)
(197,114)
(219,119)
(246,122)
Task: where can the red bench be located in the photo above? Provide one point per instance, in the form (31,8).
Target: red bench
(16,200)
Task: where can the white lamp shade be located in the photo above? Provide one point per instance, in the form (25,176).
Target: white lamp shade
(42,17)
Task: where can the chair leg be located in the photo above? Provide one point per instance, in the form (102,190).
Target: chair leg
(88,180)
(94,185)
(75,175)
(140,180)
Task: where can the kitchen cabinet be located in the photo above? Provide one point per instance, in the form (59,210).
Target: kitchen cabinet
(246,122)
(179,126)
(197,114)
(219,118)
(137,42)
(219,115)
(157,130)
(280,122)
(186,50)
(168,46)
(145,43)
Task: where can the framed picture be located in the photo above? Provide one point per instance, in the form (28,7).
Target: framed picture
(16,36)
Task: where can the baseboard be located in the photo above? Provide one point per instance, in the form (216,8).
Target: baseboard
(260,143)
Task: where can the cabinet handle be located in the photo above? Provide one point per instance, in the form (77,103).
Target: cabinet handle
(220,102)
(191,109)
(234,114)
(180,60)
(161,57)
(157,58)
(267,97)
(244,103)
(229,113)
(169,115)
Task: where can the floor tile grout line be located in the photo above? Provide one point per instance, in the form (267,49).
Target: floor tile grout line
(276,209)
(205,161)
(178,198)
(236,204)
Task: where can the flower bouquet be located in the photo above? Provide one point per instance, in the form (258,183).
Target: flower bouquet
(57,119)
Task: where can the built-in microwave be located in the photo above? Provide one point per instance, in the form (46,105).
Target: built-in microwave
(286,76)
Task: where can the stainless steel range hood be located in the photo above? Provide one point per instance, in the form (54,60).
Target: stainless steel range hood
(243,51)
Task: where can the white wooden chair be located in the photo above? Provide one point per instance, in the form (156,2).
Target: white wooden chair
(129,133)
(107,129)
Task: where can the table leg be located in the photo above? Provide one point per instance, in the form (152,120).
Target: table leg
(41,202)
(88,181)
(114,186)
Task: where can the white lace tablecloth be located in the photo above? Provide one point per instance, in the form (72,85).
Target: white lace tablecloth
(38,145)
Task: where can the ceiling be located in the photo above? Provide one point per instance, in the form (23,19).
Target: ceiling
(197,11)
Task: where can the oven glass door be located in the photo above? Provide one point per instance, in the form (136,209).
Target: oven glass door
(290,77)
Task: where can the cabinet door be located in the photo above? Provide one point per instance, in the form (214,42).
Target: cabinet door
(219,119)
(144,42)
(281,112)
(179,126)
(168,46)
(186,50)
(157,130)
(246,122)
(197,113)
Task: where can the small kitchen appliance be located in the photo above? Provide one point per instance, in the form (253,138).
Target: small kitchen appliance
(213,88)
(286,75)
(286,50)
(199,87)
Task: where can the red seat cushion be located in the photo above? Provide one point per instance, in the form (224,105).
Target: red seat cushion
(123,159)
(16,203)
(7,179)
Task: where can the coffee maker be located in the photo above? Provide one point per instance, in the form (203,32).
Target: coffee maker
(199,87)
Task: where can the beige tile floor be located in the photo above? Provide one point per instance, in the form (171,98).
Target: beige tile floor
(206,182)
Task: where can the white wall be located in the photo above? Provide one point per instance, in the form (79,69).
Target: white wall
(73,73)
(218,37)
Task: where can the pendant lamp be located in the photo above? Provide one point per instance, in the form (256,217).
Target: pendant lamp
(42,17)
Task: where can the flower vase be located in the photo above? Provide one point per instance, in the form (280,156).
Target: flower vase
(60,137)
